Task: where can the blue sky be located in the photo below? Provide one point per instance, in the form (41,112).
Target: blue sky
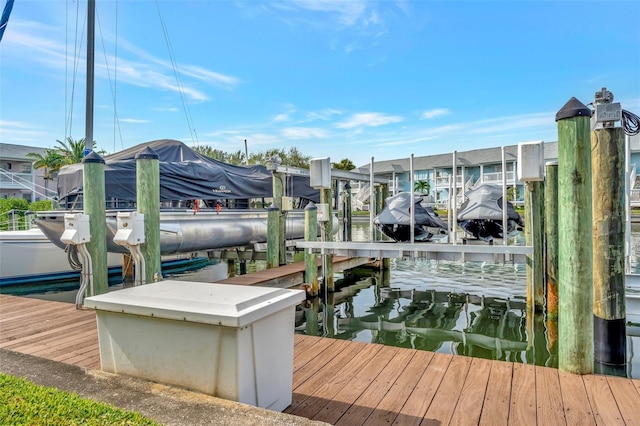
(353,79)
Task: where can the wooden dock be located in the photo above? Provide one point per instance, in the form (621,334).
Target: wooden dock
(351,383)
(292,274)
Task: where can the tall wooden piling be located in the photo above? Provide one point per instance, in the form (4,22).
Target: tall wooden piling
(311,259)
(95,206)
(327,225)
(148,203)
(609,310)
(575,348)
(273,236)
(533,231)
(386,262)
(278,192)
(551,237)
(551,258)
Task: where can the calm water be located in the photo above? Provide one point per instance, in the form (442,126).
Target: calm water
(468,309)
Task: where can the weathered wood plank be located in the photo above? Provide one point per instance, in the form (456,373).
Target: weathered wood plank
(394,400)
(359,382)
(367,402)
(604,405)
(342,377)
(495,410)
(331,352)
(550,410)
(414,410)
(444,402)
(627,399)
(577,408)
(522,409)
(468,410)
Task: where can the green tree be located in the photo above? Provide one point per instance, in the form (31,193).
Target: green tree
(293,157)
(72,150)
(344,164)
(51,161)
(513,193)
(422,186)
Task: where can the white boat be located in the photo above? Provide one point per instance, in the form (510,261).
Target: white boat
(186,232)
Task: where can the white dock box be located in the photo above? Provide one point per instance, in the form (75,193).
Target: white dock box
(233,342)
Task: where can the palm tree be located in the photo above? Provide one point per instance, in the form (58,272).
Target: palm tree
(344,164)
(51,162)
(422,186)
(71,150)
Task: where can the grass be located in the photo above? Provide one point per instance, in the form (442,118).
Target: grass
(24,403)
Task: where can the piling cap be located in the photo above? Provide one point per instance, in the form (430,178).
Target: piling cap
(573,108)
(147,154)
(272,207)
(311,206)
(93,157)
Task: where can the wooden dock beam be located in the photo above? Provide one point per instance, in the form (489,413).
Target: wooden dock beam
(311,259)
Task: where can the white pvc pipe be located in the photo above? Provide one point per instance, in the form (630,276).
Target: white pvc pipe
(372,201)
(627,204)
(504,199)
(454,223)
(412,214)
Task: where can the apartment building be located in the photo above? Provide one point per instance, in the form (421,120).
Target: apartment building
(18,178)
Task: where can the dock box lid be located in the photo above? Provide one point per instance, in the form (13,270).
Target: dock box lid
(216,304)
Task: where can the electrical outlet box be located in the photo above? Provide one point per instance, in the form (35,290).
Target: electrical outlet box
(320,173)
(130,229)
(76,229)
(323,212)
(287,203)
(608,112)
(531,161)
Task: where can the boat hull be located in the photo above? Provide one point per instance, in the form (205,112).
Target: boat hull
(186,232)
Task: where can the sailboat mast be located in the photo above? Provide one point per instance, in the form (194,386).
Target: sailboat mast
(91,30)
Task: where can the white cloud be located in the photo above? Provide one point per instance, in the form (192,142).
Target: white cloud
(281,117)
(324,114)
(132,120)
(304,133)
(432,113)
(370,119)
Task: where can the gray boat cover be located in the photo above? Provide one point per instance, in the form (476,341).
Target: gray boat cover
(184,175)
(485,202)
(396,212)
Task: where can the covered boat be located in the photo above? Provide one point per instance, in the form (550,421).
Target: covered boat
(480,215)
(206,201)
(185,175)
(395,219)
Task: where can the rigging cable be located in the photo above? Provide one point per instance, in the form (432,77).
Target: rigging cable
(192,130)
(76,63)
(112,84)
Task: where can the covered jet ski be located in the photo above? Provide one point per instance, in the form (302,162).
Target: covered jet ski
(480,215)
(394,221)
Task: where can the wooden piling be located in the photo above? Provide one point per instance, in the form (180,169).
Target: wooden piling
(533,231)
(551,238)
(325,198)
(148,203)
(311,259)
(278,192)
(231,268)
(273,236)
(609,310)
(95,206)
(551,259)
(575,254)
